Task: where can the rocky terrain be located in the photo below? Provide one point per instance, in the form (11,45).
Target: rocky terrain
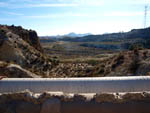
(129,63)
(15,71)
(71,70)
(22,47)
(21,55)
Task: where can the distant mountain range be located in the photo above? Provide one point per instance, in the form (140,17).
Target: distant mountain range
(71,35)
(133,34)
(115,41)
(109,41)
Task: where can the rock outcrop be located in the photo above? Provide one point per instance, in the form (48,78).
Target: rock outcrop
(30,36)
(15,71)
(22,47)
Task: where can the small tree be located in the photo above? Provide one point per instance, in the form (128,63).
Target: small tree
(136,47)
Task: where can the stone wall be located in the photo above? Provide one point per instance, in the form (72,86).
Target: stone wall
(58,102)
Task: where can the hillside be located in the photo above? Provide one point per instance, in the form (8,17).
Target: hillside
(22,47)
(116,54)
(114,41)
(129,63)
(23,55)
(135,33)
(30,36)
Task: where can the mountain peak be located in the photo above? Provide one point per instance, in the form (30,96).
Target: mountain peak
(72,34)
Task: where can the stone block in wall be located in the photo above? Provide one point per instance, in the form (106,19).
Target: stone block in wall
(51,106)
(27,107)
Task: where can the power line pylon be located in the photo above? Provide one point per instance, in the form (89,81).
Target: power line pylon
(145,16)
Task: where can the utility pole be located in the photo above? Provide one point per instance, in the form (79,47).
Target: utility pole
(145,16)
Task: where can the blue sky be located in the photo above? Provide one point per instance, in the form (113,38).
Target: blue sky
(52,17)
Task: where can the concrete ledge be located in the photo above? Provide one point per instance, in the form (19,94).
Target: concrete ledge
(77,85)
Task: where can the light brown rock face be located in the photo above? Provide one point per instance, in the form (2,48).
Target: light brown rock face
(22,47)
(15,71)
(11,49)
(14,48)
(29,36)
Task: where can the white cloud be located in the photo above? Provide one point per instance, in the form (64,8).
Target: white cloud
(31,5)
(41,16)
(6,19)
(52,5)
(13,13)
(49,3)
(88,15)
(90,2)
(46,16)
(122,13)
(67,3)
(3,4)
(140,2)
